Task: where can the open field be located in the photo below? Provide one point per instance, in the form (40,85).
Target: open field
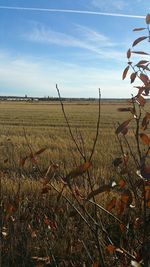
(41,226)
(45,126)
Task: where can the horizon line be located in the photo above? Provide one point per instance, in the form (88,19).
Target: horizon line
(85,12)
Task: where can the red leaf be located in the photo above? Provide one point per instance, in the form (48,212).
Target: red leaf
(122,183)
(138,40)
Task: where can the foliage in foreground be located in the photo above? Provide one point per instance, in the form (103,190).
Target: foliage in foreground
(74,221)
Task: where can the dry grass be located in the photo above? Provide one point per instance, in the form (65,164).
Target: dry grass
(41,229)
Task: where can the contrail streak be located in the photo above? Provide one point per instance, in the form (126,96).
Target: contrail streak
(71,11)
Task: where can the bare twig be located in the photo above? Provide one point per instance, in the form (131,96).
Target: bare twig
(97,128)
(68,125)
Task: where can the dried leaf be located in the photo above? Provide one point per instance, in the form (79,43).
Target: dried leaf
(142,62)
(138,40)
(145,172)
(96,264)
(140,100)
(122,183)
(45,190)
(120,207)
(122,227)
(111,248)
(40,151)
(145,121)
(122,127)
(126,110)
(125,72)
(101,189)
(144,78)
(147,193)
(145,139)
(23,161)
(129,53)
(138,29)
(126,197)
(79,170)
(141,89)
(117,162)
(148,19)
(140,52)
(133,76)
(111,204)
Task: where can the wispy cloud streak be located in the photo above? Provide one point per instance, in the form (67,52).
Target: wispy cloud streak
(84,12)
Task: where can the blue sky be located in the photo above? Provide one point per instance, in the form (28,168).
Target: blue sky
(79,52)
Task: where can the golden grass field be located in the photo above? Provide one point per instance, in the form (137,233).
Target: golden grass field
(45,126)
(41,229)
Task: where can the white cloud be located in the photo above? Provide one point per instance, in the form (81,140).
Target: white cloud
(37,77)
(110,5)
(88,39)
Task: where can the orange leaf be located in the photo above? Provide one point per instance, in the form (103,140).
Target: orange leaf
(122,183)
(145,139)
(125,72)
(138,40)
(96,264)
(111,248)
